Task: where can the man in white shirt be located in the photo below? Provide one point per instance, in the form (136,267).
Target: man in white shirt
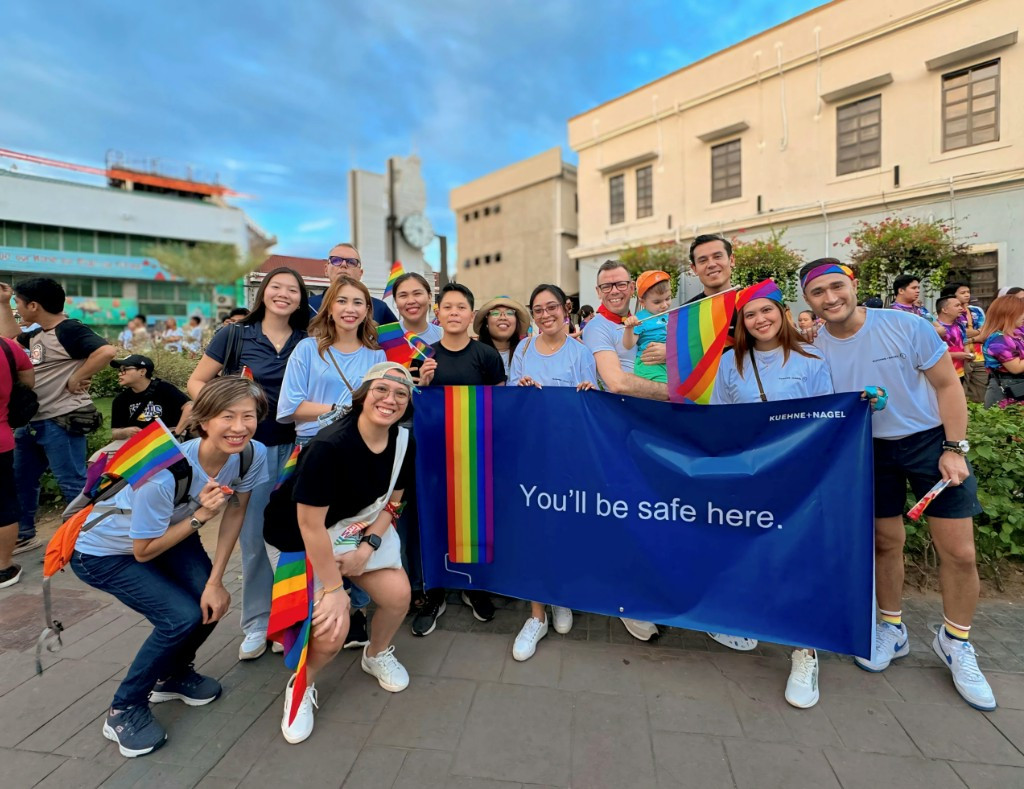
(921,438)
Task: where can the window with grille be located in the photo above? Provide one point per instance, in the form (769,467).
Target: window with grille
(644,192)
(970,106)
(617,199)
(859,135)
(725,171)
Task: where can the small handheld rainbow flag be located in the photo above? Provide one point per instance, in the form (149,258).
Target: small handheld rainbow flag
(469,473)
(291,616)
(289,467)
(396,272)
(697,335)
(150,450)
(398,346)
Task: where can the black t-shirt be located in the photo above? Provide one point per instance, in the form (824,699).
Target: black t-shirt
(158,400)
(338,471)
(732,323)
(475,365)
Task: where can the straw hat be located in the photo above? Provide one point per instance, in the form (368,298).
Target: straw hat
(502,301)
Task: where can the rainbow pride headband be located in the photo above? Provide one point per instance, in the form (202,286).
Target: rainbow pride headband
(830,267)
(762,290)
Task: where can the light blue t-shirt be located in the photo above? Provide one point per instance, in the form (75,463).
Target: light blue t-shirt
(432,334)
(782,380)
(309,377)
(600,334)
(570,365)
(146,513)
(654,330)
(892,350)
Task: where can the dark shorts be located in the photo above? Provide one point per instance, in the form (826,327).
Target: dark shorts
(915,459)
(10,512)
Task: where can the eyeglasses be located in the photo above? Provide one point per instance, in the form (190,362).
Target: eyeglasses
(344,262)
(501,314)
(548,309)
(381,391)
(620,286)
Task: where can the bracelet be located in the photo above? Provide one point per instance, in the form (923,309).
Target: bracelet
(334,588)
(395,510)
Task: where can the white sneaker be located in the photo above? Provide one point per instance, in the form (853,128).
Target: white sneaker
(643,631)
(526,642)
(276,647)
(802,687)
(739,643)
(891,642)
(302,726)
(252,646)
(385,667)
(561,618)
(967,677)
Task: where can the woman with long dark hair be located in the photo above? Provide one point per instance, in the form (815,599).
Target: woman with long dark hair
(501,323)
(258,346)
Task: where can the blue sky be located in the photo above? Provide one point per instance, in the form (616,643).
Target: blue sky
(282,99)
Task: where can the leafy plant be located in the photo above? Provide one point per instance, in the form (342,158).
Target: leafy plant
(670,258)
(884,250)
(767,258)
(207,263)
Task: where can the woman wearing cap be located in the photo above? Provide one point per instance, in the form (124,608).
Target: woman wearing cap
(550,358)
(501,323)
(650,324)
(349,487)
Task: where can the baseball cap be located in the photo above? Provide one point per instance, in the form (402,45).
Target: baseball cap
(135,360)
(392,371)
(648,280)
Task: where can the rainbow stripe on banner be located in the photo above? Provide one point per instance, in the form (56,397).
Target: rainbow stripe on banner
(289,467)
(291,616)
(150,450)
(469,473)
(396,272)
(697,335)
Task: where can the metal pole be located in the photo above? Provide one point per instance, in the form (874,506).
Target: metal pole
(443,241)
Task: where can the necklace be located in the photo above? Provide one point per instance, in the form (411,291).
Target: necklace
(551,348)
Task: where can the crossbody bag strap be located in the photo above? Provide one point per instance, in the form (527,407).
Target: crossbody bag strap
(10,361)
(757,376)
(330,352)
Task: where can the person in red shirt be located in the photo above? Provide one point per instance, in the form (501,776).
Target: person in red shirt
(9,509)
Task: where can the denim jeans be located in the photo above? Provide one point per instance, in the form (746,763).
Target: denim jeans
(37,446)
(166,590)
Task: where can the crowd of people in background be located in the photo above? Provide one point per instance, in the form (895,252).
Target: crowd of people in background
(306,374)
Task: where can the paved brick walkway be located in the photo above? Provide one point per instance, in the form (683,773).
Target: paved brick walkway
(592,709)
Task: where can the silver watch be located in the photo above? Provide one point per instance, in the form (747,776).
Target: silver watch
(195,523)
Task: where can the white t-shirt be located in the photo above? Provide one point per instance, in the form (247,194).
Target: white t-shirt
(173,338)
(892,350)
(149,511)
(782,380)
(570,365)
(600,334)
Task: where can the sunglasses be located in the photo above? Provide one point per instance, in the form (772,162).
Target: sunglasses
(344,262)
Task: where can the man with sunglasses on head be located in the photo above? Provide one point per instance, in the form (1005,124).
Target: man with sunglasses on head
(344,260)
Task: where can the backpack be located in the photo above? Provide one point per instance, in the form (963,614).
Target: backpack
(23,403)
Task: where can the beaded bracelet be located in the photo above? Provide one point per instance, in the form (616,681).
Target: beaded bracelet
(394,509)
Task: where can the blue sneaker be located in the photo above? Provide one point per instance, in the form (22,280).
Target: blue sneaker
(891,642)
(960,658)
(191,687)
(135,730)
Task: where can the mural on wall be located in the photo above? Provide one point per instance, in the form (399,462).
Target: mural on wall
(100,311)
(83,264)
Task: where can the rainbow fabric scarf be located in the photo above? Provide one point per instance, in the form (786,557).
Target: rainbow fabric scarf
(288,468)
(469,473)
(697,335)
(150,450)
(291,617)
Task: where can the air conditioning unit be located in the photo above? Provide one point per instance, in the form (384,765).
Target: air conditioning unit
(224,301)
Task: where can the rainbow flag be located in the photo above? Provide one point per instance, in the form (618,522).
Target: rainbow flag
(150,450)
(396,272)
(289,467)
(697,335)
(398,344)
(291,616)
(469,473)
(247,373)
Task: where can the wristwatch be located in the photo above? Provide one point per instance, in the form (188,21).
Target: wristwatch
(372,539)
(196,524)
(960,447)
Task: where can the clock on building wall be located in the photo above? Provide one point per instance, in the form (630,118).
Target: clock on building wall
(416,230)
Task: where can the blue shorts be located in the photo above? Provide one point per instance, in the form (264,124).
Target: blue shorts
(915,459)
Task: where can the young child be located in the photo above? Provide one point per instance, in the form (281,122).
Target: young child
(654,292)
(949,309)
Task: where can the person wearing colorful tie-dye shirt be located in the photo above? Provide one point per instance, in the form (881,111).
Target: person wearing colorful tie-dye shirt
(1003,345)
(950,309)
(971,321)
(906,291)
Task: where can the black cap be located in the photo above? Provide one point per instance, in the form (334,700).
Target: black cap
(135,360)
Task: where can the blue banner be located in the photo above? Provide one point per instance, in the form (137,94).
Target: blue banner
(753,520)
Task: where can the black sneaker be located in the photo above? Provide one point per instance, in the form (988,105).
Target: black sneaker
(10,576)
(191,687)
(480,603)
(426,620)
(135,730)
(26,544)
(357,632)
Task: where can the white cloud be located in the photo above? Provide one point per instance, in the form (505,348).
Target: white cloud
(317,225)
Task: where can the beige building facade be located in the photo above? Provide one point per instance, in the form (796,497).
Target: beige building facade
(515,228)
(856,110)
